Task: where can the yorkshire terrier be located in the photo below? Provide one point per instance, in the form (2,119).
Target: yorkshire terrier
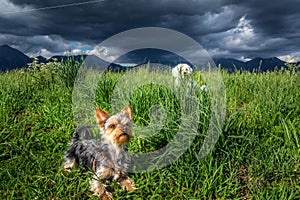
(108,158)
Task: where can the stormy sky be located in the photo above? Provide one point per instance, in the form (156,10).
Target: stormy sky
(225,28)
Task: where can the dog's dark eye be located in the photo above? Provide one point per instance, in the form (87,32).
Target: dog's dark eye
(112,126)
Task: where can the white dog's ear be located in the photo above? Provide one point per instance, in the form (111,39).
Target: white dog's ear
(175,71)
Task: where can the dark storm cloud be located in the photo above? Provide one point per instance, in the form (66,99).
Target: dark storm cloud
(275,27)
(224,27)
(102,19)
(273,18)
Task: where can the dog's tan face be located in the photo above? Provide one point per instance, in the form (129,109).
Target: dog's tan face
(117,129)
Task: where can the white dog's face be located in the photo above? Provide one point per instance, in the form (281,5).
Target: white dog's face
(182,69)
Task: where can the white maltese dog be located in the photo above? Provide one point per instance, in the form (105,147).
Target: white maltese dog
(182,72)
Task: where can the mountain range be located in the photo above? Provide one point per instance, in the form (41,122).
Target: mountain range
(11,58)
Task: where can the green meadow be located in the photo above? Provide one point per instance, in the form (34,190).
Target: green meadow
(257,155)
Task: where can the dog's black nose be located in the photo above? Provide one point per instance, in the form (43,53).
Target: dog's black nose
(124,134)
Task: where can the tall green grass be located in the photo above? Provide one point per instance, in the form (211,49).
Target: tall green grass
(256,157)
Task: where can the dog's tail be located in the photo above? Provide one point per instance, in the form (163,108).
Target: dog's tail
(82,132)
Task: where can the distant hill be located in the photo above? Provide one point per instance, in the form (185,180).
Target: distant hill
(265,64)
(261,64)
(95,62)
(41,59)
(230,64)
(11,58)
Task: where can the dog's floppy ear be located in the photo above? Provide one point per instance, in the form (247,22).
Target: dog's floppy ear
(127,111)
(175,71)
(191,69)
(101,117)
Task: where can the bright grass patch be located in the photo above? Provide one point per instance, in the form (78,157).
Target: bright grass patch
(257,155)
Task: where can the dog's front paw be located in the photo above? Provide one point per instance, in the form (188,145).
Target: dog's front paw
(105,196)
(102,193)
(127,184)
(99,190)
(133,187)
(67,171)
